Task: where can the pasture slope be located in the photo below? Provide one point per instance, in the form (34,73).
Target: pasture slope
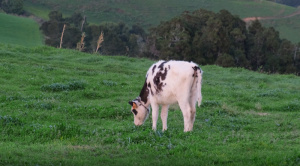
(63,107)
(150,13)
(20,31)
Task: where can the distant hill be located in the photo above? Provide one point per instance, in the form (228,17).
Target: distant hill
(294,3)
(19,30)
(150,13)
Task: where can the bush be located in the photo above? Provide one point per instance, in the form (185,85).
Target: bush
(12,6)
(8,120)
(225,60)
(58,87)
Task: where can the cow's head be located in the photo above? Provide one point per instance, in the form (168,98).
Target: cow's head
(139,110)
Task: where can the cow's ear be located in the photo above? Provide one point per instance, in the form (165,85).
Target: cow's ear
(131,103)
(134,106)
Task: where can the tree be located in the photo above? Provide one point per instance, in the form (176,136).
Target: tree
(255,45)
(225,60)
(118,39)
(76,20)
(12,6)
(55,16)
(286,57)
(53,28)
(201,36)
(297,58)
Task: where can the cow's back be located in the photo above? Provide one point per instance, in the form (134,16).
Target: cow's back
(166,80)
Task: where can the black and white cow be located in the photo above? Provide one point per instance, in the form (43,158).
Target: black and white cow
(168,82)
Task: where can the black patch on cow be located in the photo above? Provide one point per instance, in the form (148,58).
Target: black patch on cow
(134,111)
(169,67)
(195,71)
(131,103)
(161,66)
(149,87)
(164,75)
(144,93)
(153,69)
(160,76)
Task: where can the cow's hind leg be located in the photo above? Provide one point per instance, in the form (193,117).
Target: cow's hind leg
(186,110)
(193,111)
(192,117)
(164,116)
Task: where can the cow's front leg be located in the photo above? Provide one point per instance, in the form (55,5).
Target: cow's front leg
(164,116)
(155,108)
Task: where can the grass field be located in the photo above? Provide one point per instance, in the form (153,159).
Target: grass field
(19,31)
(63,107)
(151,13)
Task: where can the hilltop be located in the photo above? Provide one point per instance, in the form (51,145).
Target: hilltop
(19,30)
(151,13)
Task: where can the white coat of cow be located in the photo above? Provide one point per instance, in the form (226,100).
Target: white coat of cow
(168,82)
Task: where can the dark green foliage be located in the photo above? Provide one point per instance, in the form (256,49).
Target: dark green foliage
(55,16)
(201,36)
(118,38)
(225,60)
(12,6)
(53,28)
(223,39)
(76,19)
(52,31)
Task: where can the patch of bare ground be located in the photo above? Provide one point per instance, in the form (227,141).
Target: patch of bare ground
(249,19)
(259,113)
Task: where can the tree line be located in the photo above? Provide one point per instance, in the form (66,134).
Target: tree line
(221,38)
(119,39)
(12,6)
(201,36)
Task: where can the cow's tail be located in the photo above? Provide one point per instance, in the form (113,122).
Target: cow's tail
(199,84)
(198,79)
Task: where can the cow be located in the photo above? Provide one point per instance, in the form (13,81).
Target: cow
(169,82)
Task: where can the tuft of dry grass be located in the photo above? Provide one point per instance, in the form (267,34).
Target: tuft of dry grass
(81,44)
(100,40)
(62,35)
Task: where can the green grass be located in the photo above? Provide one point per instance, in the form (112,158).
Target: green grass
(19,31)
(63,107)
(38,10)
(151,13)
(288,27)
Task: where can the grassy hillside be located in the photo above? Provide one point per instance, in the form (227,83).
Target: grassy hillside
(19,30)
(62,107)
(151,13)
